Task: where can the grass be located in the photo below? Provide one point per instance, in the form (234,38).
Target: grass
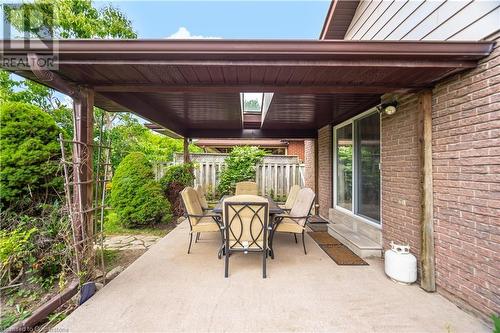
(112,227)
(111,257)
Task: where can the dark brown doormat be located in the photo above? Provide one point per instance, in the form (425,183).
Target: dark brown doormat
(318,227)
(317,219)
(336,250)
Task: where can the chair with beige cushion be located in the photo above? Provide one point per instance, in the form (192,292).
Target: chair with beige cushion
(290,200)
(246,227)
(201,197)
(246,188)
(199,221)
(295,221)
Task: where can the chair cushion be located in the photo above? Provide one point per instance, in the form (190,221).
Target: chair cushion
(246,188)
(201,196)
(245,222)
(303,204)
(192,204)
(289,225)
(292,196)
(206,224)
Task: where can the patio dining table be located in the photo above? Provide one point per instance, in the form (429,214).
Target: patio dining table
(273,206)
(274,209)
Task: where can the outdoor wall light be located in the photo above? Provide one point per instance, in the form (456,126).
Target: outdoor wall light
(388,108)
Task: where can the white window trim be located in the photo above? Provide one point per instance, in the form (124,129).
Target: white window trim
(354,181)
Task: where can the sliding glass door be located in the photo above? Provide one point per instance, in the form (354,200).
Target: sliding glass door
(357,166)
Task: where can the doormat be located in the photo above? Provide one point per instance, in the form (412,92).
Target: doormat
(339,253)
(317,219)
(318,227)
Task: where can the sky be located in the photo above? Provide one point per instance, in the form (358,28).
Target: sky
(226,19)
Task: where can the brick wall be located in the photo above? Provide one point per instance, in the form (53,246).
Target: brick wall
(401,177)
(466,174)
(309,164)
(325,160)
(466,162)
(296,148)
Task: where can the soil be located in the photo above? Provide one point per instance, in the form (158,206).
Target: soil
(127,257)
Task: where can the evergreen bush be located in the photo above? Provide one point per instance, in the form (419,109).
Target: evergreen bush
(29,153)
(135,196)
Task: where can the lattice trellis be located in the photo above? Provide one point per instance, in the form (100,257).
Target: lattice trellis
(86,220)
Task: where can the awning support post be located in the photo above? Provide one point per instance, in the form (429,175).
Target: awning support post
(187,158)
(83,108)
(428,274)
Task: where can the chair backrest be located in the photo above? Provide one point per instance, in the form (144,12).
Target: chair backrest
(245,220)
(191,204)
(302,205)
(201,196)
(292,195)
(246,188)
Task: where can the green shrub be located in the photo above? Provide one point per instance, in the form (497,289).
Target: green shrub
(175,179)
(240,166)
(178,173)
(16,251)
(496,323)
(135,196)
(36,245)
(29,153)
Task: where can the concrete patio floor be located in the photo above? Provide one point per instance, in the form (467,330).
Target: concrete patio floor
(169,290)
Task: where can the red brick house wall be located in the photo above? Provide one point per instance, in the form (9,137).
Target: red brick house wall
(325,160)
(400,168)
(466,175)
(309,177)
(466,162)
(296,148)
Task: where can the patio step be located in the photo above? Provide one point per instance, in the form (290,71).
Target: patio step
(358,243)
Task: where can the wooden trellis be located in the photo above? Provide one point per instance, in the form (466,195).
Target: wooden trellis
(86,217)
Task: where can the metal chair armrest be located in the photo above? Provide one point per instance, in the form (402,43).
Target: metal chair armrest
(293,218)
(195,215)
(212,214)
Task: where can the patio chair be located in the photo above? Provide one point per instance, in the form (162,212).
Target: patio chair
(199,221)
(201,197)
(246,188)
(290,200)
(295,221)
(246,227)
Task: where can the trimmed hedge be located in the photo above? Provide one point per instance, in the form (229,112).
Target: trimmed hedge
(135,196)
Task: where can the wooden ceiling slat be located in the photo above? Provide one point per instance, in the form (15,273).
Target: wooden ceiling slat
(298,75)
(151,75)
(216,74)
(284,76)
(257,75)
(189,74)
(243,74)
(230,75)
(203,74)
(271,75)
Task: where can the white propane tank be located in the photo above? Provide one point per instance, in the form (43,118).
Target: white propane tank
(400,264)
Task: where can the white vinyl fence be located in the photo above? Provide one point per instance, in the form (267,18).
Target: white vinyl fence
(272,178)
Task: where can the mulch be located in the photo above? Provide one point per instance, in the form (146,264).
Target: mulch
(337,251)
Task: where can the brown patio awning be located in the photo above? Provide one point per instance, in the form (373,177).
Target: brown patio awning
(192,87)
